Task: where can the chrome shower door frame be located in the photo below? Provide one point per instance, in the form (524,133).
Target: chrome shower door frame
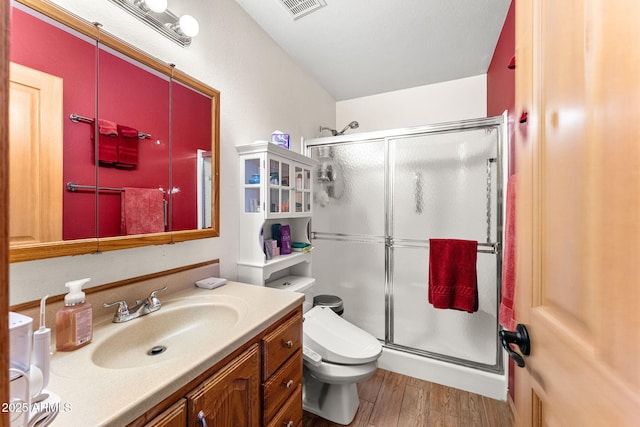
(390,243)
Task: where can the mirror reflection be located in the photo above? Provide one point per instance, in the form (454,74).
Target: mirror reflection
(133,149)
(111,143)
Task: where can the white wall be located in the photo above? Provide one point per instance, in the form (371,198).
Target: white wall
(437,103)
(261,90)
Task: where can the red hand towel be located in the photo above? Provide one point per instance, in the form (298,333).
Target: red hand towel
(127,132)
(142,211)
(452,274)
(107,149)
(107,142)
(507,317)
(127,146)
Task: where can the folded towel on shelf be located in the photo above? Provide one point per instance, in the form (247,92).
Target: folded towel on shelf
(507,316)
(127,147)
(142,211)
(452,274)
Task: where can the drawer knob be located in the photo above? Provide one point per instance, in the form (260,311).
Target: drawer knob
(288,344)
(289,424)
(288,384)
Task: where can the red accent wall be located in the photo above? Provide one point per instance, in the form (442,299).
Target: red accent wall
(501,96)
(190,127)
(501,81)
(130,96)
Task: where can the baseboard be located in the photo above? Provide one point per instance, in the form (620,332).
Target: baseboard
(475,381)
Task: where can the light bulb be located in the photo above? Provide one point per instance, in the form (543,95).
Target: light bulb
(157,6)
(189,26)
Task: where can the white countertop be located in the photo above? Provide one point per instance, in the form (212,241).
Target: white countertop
(95,396)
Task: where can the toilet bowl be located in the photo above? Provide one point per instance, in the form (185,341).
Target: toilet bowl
(337,355)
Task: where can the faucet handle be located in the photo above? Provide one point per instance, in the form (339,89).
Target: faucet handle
(123,308)
(152,299)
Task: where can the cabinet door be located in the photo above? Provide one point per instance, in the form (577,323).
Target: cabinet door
(231,396)
(175,416)
(278,186)
(251,177)
(302,186)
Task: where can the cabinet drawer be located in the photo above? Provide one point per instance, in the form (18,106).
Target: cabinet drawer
(281,385)
(280,344)
(291,413)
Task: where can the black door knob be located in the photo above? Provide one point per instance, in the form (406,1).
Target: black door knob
(520,338)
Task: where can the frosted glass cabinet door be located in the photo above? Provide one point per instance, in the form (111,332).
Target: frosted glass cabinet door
(349,188)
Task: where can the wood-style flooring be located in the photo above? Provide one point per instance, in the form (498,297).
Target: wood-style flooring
(389,399)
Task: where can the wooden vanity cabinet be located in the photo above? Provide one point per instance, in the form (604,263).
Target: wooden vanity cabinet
(282,374)
(230,397)
(259,384)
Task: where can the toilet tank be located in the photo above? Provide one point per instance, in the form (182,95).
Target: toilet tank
(300,284)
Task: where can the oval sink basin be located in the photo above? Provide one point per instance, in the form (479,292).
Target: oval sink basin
(172,331)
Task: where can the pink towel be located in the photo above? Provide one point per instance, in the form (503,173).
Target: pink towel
(142,211)
(507,317)
(107,127)
(107,142)
(127,146)
(452,274)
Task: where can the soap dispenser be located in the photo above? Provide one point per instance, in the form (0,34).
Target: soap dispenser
(74,321)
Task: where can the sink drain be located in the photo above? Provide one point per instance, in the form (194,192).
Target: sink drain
(156,349)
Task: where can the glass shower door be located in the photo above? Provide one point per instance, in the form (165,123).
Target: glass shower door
(442,185)
(348,229)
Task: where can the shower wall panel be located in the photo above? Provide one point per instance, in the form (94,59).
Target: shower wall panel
(355,272)
(350,199)
(439,185)
(458,334)
(348,226)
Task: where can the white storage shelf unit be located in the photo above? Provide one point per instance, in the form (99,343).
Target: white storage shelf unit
(276,189)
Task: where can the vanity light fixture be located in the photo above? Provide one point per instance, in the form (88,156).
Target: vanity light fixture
(155,14)
(157,6)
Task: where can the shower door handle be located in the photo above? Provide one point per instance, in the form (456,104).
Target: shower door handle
(520,338)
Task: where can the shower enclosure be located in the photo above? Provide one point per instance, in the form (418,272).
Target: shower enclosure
(379,198)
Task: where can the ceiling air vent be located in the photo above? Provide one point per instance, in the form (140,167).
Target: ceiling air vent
(300,8)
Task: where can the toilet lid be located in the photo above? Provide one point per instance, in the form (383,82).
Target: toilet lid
(337,340)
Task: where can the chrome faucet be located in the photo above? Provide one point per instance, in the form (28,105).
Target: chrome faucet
(124,313)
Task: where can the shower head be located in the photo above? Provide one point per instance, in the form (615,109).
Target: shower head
(352,125)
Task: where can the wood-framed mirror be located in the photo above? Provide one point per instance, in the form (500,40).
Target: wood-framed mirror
(110,148)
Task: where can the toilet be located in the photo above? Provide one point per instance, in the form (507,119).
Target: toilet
(336,354)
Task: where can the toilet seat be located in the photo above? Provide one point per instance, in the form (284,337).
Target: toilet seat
(336,340)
